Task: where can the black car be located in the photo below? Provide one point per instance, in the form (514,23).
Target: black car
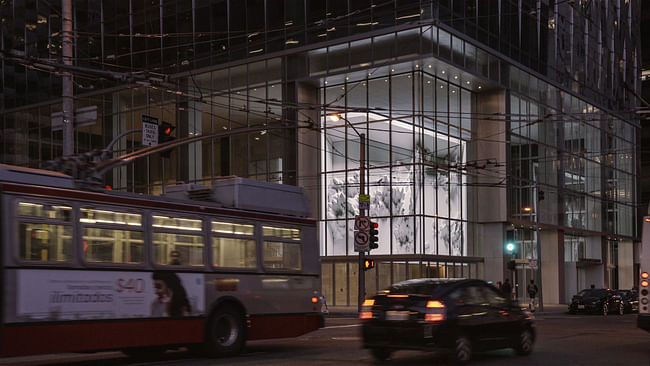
(457,316)
(630,300)
(596,301)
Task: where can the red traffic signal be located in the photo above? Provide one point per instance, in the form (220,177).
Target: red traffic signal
(165,135)
(374,231)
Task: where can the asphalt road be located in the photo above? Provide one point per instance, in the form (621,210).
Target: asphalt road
(562,340)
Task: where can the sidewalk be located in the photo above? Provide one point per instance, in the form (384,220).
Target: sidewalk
(351,311)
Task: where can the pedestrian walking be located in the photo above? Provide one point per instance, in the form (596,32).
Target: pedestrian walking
(532,293)
(506,288)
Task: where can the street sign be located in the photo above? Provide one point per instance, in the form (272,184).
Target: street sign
(361,241)
(364,198)
(149,130)
(363,205)
(532,263)
(361,223)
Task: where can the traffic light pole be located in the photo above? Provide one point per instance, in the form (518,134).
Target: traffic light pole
(539,250)
(362,212)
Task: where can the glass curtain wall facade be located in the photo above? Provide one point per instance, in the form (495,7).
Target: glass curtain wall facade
(519,103)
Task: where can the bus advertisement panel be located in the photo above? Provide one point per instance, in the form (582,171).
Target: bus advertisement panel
(54,295)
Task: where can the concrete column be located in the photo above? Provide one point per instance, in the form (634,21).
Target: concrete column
(493,241)
(550,273)
(487,205)
(626,273)
(308,163)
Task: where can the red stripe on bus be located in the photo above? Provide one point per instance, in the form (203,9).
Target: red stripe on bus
(30,339)
(26,339)
(283,326)
(134,201)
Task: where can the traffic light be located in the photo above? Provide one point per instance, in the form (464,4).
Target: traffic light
(164,135)
(510,241)
(374,231)
(368,264)
(512,265)
(540,195)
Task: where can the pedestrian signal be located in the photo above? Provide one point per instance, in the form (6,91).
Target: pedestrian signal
(368,264)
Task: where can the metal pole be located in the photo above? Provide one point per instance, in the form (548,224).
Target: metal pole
(67,86)
(362,212)
(538,233)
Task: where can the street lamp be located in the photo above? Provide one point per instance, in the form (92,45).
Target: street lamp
(335,117)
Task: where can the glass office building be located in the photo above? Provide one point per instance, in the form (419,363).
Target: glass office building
(484,120)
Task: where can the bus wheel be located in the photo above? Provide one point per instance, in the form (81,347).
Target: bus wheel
(225,334)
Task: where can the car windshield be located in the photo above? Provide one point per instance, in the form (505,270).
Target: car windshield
(593,293)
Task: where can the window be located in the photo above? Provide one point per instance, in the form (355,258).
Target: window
(176,241)
(111,236)
(278,255)
(281,232)
(281,251)
(234,245)
(44,232)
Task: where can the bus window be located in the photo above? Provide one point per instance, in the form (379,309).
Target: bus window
(45,232)
(44,242)
(188,248)
(230,228)
(234,252)
(280,255)
(175,246)
(111,236)
(281,232)
(55,212)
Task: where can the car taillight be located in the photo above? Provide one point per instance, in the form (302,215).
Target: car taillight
(366,309)
(436,311)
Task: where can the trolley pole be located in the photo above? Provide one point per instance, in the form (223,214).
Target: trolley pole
(362,212)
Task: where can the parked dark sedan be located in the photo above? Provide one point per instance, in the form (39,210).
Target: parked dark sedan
(630,300)
(457,316)
(597,301)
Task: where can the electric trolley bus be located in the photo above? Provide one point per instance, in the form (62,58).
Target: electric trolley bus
(104,270)
(643,319)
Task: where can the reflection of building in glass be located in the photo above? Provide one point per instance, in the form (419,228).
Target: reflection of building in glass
(473,110)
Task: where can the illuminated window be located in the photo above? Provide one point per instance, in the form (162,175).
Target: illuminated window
(178,249)
(234,252)
(56,212)
(111,236)
(177,223)
(281,232)
(230,228)
(44,232)
(101,245)
(44,242)
(281,255)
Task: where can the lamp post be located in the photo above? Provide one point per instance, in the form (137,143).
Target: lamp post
(362,211)
(538,233)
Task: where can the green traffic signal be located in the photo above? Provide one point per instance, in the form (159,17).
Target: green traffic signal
(510,247)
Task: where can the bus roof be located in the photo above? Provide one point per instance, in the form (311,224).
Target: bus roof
(229,193)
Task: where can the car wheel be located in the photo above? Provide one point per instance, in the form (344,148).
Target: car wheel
(225,333)
(380,354)
(621,309)
(524,344)
(605,310)
(462,352)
